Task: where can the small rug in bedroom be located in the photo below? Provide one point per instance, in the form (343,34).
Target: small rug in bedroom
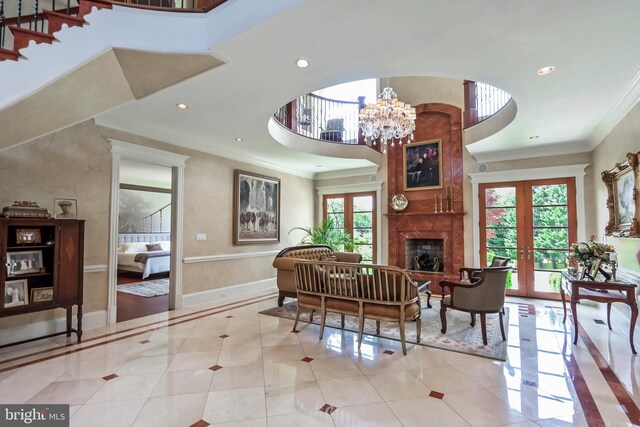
(148,289)
(460,336)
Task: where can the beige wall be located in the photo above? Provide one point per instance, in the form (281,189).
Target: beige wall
(73,163)
(76,163)
(624,138)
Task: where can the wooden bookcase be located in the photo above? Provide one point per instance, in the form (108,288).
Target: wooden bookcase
(42,268)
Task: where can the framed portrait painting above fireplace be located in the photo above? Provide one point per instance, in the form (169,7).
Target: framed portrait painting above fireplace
(422,165)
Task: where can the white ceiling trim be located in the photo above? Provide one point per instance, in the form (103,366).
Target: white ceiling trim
(625,101)
(543,150)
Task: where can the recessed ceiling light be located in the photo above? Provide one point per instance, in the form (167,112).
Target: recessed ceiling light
(239,139)
(302,63)
(546,70)
(534,137)
(318,166)
(182,106)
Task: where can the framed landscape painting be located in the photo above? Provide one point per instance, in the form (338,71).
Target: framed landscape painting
(623,202)
(256,209)
(422,165)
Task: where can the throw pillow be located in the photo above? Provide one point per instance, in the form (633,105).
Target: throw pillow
(154,247)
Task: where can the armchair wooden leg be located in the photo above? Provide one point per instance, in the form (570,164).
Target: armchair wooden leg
(295,324)
(473,320)
(504,337)
(418,329)
(634,317)
(377,327)
(402,340)
(311,316)
(280,301)
(342,321)
(503,310)
(483,322)
(609,315)
(443,318)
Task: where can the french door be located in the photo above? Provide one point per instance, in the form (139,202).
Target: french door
(355,213)
(533,223)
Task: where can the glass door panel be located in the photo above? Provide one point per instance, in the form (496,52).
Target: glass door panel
(363,226)
(550,232)
(501,228)
(335,211)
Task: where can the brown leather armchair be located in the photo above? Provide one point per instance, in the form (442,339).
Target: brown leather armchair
(287,257)
(484,296)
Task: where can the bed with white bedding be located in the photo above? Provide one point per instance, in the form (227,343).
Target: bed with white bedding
(147,253)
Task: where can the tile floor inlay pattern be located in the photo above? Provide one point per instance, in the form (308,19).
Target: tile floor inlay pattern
(169,372)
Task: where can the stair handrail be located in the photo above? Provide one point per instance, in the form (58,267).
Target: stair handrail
(322,118)
(482,101)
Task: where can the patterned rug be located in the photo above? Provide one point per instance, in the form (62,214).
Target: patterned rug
(460,336)
(148,289)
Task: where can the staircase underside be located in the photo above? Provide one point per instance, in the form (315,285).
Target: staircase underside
(125,75)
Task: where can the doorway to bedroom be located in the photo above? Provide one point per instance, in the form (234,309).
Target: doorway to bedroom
(144,239)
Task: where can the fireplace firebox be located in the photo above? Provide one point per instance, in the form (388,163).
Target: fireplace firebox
(424,255)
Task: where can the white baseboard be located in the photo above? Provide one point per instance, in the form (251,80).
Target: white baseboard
(212,295)
(92,320)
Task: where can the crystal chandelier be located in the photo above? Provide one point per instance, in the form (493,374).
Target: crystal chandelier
(387,120)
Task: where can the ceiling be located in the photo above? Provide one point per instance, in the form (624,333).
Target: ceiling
(594,45)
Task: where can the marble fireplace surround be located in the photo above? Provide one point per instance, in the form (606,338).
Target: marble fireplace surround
(419,221)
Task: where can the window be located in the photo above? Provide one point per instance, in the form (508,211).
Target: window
(355,213)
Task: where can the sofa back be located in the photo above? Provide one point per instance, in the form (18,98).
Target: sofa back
(366,282)
(310,252)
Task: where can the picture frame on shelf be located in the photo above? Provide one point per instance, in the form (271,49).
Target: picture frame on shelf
(28,236)
(65,208)
(24,262)
(15,293)
(256,208)
(422,165)
(623,182)
(41,295)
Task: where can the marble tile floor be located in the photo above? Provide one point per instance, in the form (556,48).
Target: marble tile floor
(226,365)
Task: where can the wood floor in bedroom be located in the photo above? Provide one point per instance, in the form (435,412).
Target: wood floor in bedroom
(132,306)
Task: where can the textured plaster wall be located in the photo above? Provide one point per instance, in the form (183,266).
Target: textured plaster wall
(76,163)
(624,138)
(209,209)
(73,163)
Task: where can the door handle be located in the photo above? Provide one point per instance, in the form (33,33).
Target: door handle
(521,253)
(529,252)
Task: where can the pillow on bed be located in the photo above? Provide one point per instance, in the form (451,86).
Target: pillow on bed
(133,247)
(154,247)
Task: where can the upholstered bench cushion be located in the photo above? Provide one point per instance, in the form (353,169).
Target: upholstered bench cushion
(341,305)
(312,300)
(391,311)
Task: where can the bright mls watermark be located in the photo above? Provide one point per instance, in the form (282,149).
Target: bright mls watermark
(34,415)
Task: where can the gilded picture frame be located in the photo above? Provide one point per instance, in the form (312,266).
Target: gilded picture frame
(623,201)
(256,208)
(422,165)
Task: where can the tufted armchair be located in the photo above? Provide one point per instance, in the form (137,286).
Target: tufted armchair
(484,296)
(287,257)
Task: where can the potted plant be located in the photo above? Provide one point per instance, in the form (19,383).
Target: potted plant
(327,234)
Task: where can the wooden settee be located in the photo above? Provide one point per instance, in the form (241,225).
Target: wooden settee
(366,291)
(283,263)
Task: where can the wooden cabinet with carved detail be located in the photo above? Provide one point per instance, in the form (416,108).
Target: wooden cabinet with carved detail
(42,268)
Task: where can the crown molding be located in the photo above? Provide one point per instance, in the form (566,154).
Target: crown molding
(624,102)
(542,150)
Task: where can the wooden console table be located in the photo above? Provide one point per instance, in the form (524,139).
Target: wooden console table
(605,292)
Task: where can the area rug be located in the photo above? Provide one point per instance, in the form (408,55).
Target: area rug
(460,336)
(148,289)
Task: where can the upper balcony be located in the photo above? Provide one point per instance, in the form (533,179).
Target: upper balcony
(337,121)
